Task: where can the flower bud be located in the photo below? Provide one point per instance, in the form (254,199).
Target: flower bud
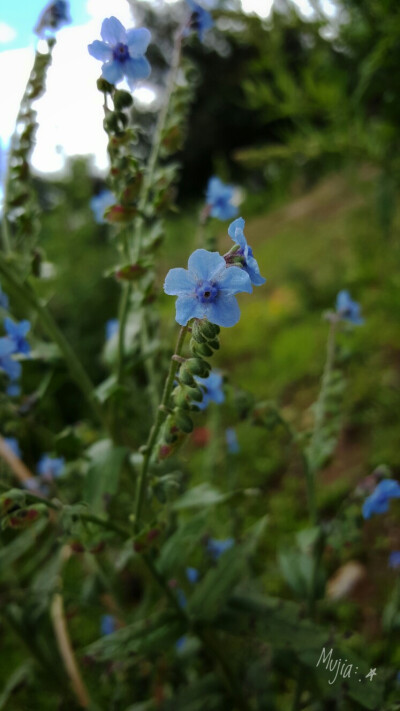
(214,344)
(122,100)
(197,366)
(200,349)
(183,421)
(186,377)
(197,333)
(209,330)
(104,86)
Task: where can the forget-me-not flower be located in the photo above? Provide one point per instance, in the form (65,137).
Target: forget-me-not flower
(217,547)
(200,20)
(212,390)
(17,332)
(122,52)
(192,575)
(11,367)
(235,231)
(348,309)
(12,443)
(112,327)
(394,560)
(207,289)
(99,204)
(107,624)
(50,467)
(54,16)
(232,441)
(378,502)
(219,199)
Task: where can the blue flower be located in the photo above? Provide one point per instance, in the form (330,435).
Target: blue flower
(216,548)
(180,643)
(207,289)
(122,52)
(394,560)
(17,333)
(107,624)
(212,387)
(200,20)
(219,199)
(3,300)
(99,204)
(13,390)
(50,467)
(235,231)
(54,16)
(192,575)
(182,602)
(12,443)
(232,441)
(112,327)
(11,367)
(378,501)
(348,309)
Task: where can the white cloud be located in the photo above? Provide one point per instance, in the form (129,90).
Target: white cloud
(7,33)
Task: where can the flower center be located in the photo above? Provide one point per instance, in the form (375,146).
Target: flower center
(121,52)
(206,292)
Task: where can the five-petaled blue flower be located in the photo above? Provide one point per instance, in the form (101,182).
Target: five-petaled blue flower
(54,16)
(394,560)
(192,575)
(378,502)
(212,390)
(50,467)
(200,20)
(12,443)
(219,199)
(235,231)
(232,441)
(348,309)
(17,333)
(107,624)
(112,327)
(122,52)
(207,289)
(99,204)
(216,548)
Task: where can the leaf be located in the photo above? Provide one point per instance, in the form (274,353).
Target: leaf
(280,623)
(205,693)
(213,591)
(202,495)
(19,676)
(21,544)
(103,474)
(178,547)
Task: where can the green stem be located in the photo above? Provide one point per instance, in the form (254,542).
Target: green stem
(149,364)
(122,319)
(27,294)
(155,430)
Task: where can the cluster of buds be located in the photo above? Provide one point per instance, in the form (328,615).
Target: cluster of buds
(188,393)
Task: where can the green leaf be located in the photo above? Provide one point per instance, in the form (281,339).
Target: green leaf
(200,496)
(103,474)
(205,693)
(183,541)
(19,676)
(21,544)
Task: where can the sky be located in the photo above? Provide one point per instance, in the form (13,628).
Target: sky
(70,112)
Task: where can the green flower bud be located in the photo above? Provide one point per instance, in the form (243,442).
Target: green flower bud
(181,399)
(122,100)
(186,377)
(209,330)
(214,344)
(104,86)
(183,421)
(197,333)
(197,366)
(200,349)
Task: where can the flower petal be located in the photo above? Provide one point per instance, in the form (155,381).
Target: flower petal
(253,271)
(224,311)
(100,50)
(112,31)
(112,72)
(205,265)
(188,307)
(178,282)
(235,280)
(138,40)
(135,69)
(235,231)
(7,346)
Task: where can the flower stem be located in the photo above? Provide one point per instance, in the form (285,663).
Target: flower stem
(27,294)
(155,430)
(123,317)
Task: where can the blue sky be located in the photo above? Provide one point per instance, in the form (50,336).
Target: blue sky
(22,15)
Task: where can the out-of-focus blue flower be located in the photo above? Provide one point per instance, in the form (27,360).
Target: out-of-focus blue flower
(394,560)
(122,52)
(219,199)
(207,289)
(3,297)
(348,309)
(50,467)
(216,548)
(13,390)
(180,643)
(200,20)
(112,327)
(107,624)
(232,441)
(12,443)
(192,575)
(99,204)
(378,502)
(213,391)
(182,602)
(235,231)
(17,333)
(11,367)
(54,16)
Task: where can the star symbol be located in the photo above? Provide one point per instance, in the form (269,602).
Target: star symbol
(370,674)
